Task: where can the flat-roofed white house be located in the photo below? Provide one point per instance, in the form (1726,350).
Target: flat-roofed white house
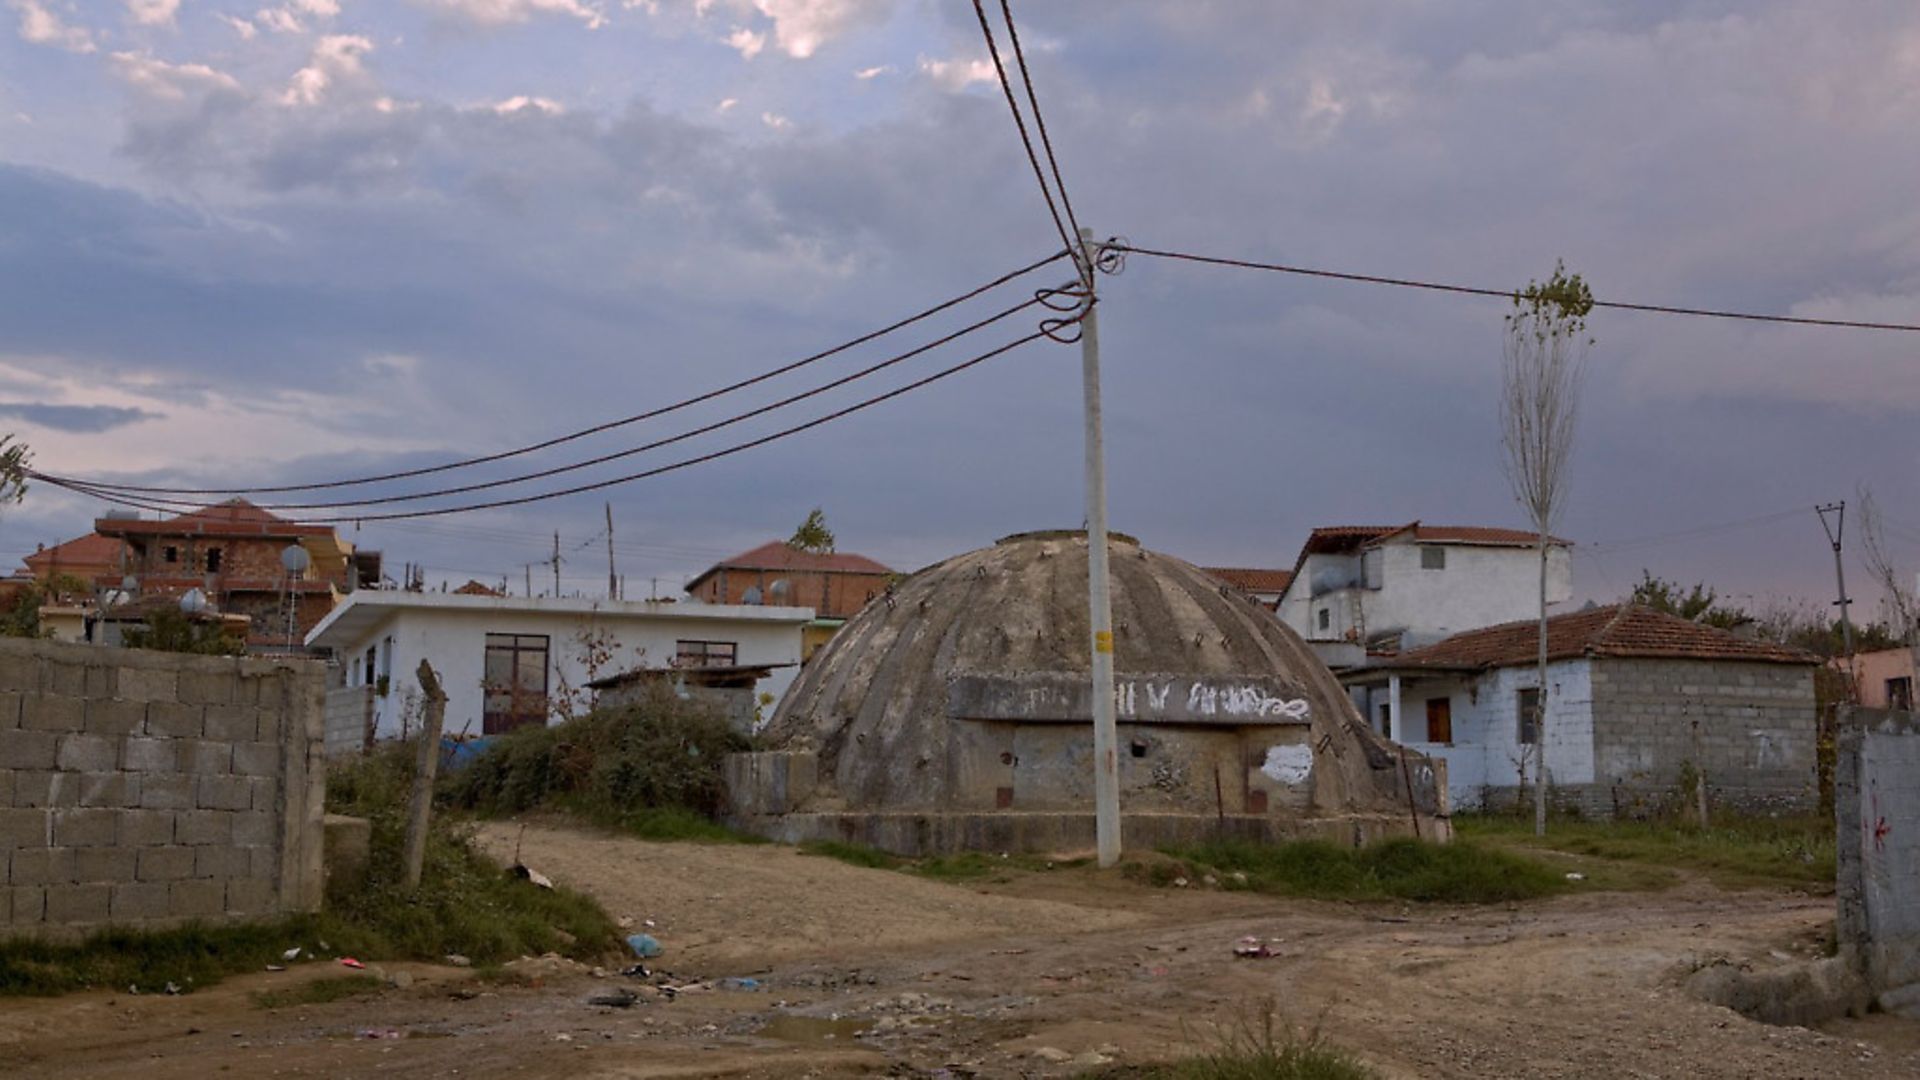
(507,661)
(1361,589)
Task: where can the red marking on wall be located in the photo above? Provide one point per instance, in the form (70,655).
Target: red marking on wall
(1880,831)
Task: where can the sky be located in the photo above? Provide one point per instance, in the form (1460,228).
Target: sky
(246,245)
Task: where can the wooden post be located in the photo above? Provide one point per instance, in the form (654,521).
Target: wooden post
(426,764)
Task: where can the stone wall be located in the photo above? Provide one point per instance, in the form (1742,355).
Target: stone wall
(1877,812)
(1748,728)
(145,788)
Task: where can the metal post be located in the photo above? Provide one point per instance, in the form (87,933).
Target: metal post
(1106,760)
(556,564)
(1836,533)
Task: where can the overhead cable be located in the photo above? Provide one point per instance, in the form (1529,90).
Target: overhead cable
(611,424)
(1070,238)
(114,497)
(1505,294)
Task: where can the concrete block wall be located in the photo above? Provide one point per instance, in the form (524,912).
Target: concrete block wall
(1877,814)
(144,788)
(1750,728)
(349,720)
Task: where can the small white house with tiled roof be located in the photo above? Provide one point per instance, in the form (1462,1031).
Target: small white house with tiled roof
(1360,589)
(1635,699)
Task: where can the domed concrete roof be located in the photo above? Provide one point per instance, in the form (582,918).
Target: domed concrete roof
(900,708)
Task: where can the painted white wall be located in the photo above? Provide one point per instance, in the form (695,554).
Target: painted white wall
(1486,726)
(452,636)
(1480,586)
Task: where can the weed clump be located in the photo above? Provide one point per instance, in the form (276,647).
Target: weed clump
(1401,869)
(654,764)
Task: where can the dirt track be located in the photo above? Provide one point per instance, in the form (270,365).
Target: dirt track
(1043,974)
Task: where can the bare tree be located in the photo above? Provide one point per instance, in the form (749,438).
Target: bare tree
(1899,601)
(1545,350)
(15,460)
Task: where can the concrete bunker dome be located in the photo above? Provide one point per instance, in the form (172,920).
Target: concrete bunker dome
(955,712)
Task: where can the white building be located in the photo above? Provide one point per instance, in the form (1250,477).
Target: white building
(506,661)
(1362,589)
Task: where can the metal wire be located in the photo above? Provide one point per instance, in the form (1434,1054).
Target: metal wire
(1046,143)
(608,426)
(1071,240)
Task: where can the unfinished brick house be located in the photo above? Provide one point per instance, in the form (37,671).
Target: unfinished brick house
(834,585)
(232,551)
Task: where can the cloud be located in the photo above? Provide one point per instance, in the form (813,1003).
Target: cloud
(336,57)
(747,42)
(170,81)
(800,27)
(245,29)
(958,74)
(864,74)
(153,12)
(502,12)
(39,26)
(519,102)
(726,105)
(81,419)
(775,121)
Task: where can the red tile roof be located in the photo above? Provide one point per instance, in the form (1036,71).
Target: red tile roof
(90,553)
(1622,630)
(1476,534)
(778,555)
(235,517)
(1251,580)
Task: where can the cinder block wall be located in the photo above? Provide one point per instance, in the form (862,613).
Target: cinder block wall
(1750,728)
(144,788)
(1877,811)
(349,720)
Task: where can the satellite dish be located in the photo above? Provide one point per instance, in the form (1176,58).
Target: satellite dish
(780,590)
(751,596)
(194,602)
(295,559)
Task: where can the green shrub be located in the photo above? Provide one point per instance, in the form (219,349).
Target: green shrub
(1255,1048)
(662,753)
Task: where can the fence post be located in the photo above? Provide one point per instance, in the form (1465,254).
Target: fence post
(426,763)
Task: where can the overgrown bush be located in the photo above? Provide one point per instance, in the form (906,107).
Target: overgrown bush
(660,754)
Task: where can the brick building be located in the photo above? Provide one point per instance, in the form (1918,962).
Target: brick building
(835,586)
(1636,699)
(232,551)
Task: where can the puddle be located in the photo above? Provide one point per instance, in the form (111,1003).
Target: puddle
(814,1030)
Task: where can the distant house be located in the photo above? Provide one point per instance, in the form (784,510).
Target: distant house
(1265,586)
(91,558)
(836,586)
(1637,698)
(1885,677)
(1360,589)
(508,661)
(233,553)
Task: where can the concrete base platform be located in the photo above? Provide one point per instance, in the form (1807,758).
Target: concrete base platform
(935,833)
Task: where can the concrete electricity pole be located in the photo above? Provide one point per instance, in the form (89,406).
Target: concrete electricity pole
(1837,532)
(613,578)
(1106,760)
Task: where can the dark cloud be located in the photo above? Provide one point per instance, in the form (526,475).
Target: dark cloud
(84,419)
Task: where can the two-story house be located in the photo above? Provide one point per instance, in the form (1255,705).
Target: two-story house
(835,585)
(1361,590)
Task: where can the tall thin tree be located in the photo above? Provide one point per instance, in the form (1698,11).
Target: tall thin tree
(1899,600)
(1545,350)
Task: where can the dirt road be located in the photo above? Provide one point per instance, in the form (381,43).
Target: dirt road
(872,972)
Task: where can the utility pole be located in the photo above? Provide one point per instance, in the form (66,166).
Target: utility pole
(613,578)
(556,564)
(1837,532)
(528,567)
(1106,761)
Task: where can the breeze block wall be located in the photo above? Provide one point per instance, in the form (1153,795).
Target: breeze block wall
(1877,813)
(146,788)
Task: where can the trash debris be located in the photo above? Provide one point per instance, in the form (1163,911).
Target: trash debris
(644,946)
(291,954)
(637,971)
(173,988)
(457,960)
(562,1037)
(739,984)
(1251,948)
(615,999)
(380,1033)
(276,967)
(1179,883)
(350,962)
(1576,876)
(528,873)
(648,923)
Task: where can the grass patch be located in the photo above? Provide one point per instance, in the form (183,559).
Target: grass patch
(960,866)
(189,957)
(852,854)
(1795,852)
(1457,873)
(319,992)
(1249,1049)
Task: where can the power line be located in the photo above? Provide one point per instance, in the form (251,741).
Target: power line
(1039,118)
(1504,294)
(113,497)
(602,459)
(598,428)
(1071,239)
(1614,546)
